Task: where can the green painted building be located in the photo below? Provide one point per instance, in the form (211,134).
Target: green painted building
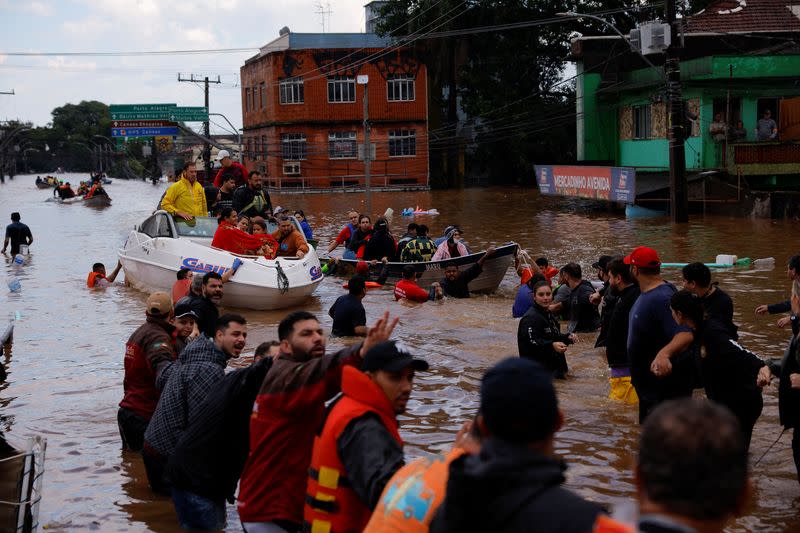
(739,59)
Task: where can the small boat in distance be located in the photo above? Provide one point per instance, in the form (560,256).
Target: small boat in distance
(161,245)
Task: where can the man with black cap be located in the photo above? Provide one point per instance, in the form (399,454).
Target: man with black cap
(185,321)
(661,368)
(359,448)
(514,484)
(148,353)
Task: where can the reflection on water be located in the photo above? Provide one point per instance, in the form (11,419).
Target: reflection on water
(65,379)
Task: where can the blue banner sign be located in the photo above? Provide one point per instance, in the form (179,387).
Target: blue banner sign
(143,132)
(615,184)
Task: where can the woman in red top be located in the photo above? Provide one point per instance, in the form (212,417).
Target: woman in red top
(230,238)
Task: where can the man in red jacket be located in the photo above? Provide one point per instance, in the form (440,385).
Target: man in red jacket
(148,352)
(287,413)
(407,288)
(229,168)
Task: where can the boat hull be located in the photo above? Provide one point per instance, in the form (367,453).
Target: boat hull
(494,269)
(97,201)
(151,264)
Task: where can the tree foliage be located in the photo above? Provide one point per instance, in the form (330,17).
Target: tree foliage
(502,98)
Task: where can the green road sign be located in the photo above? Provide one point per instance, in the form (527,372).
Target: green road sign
(169,112)
(140,108)
(189,114)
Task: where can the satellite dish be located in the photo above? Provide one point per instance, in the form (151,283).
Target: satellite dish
(284,31)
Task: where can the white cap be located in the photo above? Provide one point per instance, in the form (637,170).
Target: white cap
(222,154)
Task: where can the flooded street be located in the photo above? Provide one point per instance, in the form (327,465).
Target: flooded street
(66,367)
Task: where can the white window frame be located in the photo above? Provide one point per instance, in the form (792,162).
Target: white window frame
(400,86)
(293,146)
(292,91)
(402,143)
(344,85)
(345,140)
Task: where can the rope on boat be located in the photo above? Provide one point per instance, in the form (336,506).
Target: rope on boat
(283,281)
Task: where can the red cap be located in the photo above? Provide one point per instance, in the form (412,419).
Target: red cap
(643,257)
(362,267)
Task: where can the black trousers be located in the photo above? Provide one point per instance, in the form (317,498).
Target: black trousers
(155,466)
(131,429)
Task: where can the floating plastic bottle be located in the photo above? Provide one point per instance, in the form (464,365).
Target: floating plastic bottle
(14,285)
(19,259)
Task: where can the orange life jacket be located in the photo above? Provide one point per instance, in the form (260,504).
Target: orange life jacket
(332,506)
(604,524)
(413,495)
(93,278)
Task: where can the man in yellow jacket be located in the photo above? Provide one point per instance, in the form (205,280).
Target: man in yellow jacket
(186,198)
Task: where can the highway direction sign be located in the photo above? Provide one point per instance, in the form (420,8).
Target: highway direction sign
(143,132)
(142,124)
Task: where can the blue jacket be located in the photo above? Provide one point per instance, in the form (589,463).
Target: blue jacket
(522,302)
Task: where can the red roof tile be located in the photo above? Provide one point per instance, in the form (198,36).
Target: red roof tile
(729,16)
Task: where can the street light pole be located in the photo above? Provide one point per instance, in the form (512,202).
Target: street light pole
(364,80)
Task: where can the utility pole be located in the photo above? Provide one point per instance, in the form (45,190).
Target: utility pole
(206,125)
(363,80)
(678,186)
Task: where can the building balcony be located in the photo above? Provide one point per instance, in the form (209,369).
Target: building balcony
(765,158)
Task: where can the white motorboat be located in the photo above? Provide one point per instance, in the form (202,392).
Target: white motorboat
(160,246)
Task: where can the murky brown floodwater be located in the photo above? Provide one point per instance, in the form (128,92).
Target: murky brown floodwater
(65,374)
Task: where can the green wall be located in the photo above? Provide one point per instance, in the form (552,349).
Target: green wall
(653,154)
(596,123)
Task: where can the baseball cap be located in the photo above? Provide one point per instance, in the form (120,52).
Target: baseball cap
(159,304)
(183,309)
(602,262)
(644,257)
(222,154)
(518,400)
(362,268)
(388,356)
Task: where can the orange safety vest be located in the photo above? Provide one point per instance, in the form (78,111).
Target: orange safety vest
(413,495)
(604,524)
(93,278)
(332,506)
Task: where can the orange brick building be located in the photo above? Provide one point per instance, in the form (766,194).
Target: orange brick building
(303,112)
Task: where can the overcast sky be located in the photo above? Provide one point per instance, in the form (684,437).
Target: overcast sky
(43,83)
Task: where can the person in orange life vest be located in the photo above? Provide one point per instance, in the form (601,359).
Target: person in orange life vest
(692,471)
(229,169)
(96,190)
(97,277)
(288,410)
(413,495)
(149,352)
(359,448)
(346,233)
(549,271)
(181,287)
(290,241)
(407,288)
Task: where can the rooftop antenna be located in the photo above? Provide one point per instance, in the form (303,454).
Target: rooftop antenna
(324,11)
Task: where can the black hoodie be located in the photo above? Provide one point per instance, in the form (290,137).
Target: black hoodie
(509,487)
